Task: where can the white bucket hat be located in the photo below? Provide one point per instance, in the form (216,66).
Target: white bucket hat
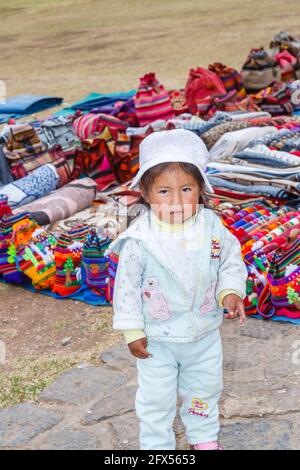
(176,145)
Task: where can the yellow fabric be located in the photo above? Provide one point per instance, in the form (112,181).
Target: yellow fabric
(225,292)
(133,335)
(166,227)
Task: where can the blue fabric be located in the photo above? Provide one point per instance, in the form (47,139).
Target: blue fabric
(39,183)
(83,295)
(262,159)
(94,100)
(23,105)
(284,319)
(259,189)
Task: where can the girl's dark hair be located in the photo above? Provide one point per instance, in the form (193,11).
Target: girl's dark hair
(150,175)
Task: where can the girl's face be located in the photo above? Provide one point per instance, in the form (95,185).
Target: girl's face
(173,195)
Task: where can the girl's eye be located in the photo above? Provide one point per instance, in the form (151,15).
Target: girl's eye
(186,189)
(163,191)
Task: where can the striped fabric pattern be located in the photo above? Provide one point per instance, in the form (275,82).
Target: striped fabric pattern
(90,125)
(112,262)
(95,159)
(231,78)
(126,158)
(152,101)
(94,263)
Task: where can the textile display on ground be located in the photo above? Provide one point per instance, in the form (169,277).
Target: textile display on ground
(24,105)
(64,179)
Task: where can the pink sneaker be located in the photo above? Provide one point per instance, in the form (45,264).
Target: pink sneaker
(212,445)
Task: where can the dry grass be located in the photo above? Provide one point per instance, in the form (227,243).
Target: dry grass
(70,48)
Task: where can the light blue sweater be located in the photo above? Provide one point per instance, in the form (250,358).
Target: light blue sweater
(149,295)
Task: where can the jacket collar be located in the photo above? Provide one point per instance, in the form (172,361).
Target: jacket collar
(140,229)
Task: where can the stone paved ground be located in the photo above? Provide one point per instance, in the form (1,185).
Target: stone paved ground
(93,407)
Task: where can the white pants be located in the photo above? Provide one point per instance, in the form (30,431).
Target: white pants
(195,369)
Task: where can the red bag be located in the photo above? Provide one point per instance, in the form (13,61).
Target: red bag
(201,86)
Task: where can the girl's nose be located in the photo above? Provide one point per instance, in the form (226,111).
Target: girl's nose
(177,200)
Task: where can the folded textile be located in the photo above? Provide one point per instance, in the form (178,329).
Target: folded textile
(90,125)
(213,135)
(57,130)
(24,105)
(237,116)
(261,153)
(95,100)
(40,182)
(292,172)
(249,180)
(64,202)
(264,190)
(232,142)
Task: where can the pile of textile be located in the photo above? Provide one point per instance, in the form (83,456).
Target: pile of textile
(270,240)
(70,264)
(64,179)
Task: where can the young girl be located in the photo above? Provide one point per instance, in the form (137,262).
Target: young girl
(178,268)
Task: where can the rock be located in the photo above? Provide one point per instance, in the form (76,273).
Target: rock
(21,423)
(263,434)
(260,399)
(118,403)
(84,365)
(260,329)
(82,385)
(118,357)
(126,428)
(68,439)
(278,369)
(66,341)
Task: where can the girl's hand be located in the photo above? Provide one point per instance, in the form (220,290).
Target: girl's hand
(138,348)
(235,306)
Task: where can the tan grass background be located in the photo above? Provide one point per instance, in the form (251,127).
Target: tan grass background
(69,48)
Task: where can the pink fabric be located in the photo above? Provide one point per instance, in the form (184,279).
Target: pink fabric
(285,60)
(213,445)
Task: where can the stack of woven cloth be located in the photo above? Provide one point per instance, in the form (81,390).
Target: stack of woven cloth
(270,241)
(64,265)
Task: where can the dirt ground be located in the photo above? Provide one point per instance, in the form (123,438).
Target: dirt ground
(71,48)
(43,337)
